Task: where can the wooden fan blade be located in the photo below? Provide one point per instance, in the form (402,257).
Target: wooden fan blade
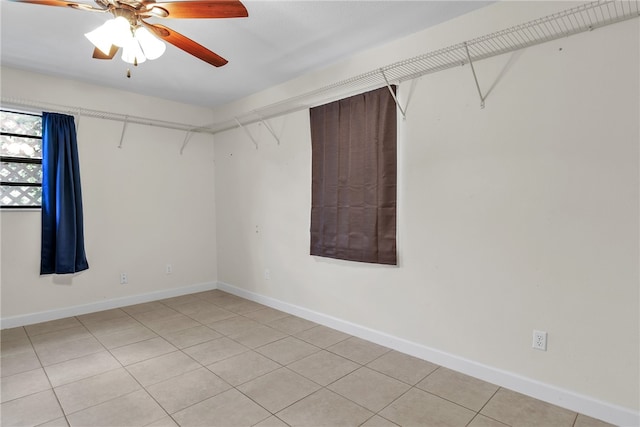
(98,54)
(186,44)
(62,3)
(197,9)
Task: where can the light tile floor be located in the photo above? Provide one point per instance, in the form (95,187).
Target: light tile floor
(214,359)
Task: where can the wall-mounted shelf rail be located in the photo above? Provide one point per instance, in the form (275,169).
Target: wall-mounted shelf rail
(585,17)
(106,115)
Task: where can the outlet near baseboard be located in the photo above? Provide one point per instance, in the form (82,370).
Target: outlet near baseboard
(540,340)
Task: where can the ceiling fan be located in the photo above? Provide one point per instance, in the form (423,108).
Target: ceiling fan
(131,16)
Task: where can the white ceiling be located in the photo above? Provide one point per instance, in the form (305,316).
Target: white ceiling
(280,40)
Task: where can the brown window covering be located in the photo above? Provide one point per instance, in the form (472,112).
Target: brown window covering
(353,206)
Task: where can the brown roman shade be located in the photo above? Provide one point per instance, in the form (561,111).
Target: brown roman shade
(353,206)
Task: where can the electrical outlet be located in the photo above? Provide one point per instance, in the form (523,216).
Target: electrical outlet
(267,274)
(168,269)
(124,279)
(540,340)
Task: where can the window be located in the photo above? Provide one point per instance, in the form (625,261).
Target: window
(353,202)
(21,157)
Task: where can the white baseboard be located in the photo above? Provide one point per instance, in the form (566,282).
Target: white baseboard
(564,398)
(555,395)
(44,316)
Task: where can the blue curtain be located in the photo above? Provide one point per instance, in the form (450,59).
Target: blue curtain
(62,250)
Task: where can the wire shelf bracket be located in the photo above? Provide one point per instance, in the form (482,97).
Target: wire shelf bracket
(124,129)
(475,77)
(186,141)
(241,126)
(393,94)
(270,129)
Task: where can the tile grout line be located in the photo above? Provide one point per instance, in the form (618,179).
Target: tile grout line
(122,366)
(282,366)
(111,370)
(142,387)
(228,305)
(53,390)
(483,406)
(575,420)
(202,366)
(322,387)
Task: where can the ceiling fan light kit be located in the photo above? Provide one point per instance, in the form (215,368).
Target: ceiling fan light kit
(132,53)
(151,46)
(100,37)
(137,44)
(116,31)
(141,40)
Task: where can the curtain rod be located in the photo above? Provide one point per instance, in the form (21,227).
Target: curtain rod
(79,111)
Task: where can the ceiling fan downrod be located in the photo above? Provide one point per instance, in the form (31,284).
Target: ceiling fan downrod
(128,14)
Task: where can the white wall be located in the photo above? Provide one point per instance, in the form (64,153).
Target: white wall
(145,205)
(519,216)
(522,215)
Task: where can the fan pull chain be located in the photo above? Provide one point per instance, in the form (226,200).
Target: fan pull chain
(135,64)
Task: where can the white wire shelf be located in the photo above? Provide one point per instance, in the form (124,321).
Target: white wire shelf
(585,17)
(105,115)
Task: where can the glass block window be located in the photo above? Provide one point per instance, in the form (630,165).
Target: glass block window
(20,160)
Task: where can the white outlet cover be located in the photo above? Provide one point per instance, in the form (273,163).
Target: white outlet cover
(540,340)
